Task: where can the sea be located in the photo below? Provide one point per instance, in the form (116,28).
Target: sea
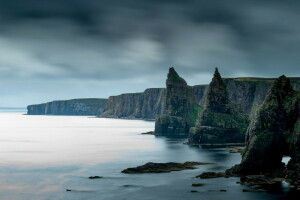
(52,158)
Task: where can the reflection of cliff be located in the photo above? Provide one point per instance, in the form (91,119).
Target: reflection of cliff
(69,107)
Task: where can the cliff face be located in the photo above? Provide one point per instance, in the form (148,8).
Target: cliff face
(246,93)
(220,121)
(181,107)
(69,107)
(274,132)
(144,105)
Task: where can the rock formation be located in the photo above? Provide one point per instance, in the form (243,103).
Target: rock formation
(220,121)
(181,107)
(273,133)
(247,93)
(91,106)
(145,105)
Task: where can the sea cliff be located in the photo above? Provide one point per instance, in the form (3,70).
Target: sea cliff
(91,106)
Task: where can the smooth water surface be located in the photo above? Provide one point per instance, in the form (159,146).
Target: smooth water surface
(42,156)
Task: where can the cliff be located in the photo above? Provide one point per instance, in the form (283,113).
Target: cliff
(274,132)
(91,106)
(145,105)
(247,93)
(221,121)
(180,105)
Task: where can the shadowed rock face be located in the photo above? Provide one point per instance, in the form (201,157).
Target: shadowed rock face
(217,96)
(220,121)
(181,107)
(274,132)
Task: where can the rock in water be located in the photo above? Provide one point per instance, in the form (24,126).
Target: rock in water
(221,121)
(273,133)
(181,107)
(163,167)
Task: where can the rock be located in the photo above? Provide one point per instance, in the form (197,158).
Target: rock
(68,190)
(148,133)
(198,184)
(206,175)
(223,190)
(95,177)
(273,133)
(144,105)
(90,106)
(220,121)
(194,191)
(181,108)
(236,149)
(247,190)
(163,167)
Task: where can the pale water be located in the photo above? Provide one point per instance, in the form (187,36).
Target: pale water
(42,156)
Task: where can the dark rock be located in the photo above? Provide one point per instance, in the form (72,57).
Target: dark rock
(248,190)
(220,121)
(198,184)
(206,175)
(163,167)
(194,191)
(95,177)
(68,190)
(223,190)
(181,107)
(148,133)
(273,133)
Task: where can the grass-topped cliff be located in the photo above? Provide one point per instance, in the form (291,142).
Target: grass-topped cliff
(88,106)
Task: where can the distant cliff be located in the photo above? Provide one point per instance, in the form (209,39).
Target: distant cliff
(144,105)
(247,93)
(92,106)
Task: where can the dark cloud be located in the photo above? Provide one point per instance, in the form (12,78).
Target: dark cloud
(92,48)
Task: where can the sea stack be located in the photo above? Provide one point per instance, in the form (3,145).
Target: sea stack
(181,107)
(273,133)
(220,121)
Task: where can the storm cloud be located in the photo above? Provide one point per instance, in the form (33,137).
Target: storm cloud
(63,49)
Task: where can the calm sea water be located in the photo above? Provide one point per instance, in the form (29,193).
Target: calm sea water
(42,156)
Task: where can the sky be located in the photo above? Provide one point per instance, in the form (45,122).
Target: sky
(63,49)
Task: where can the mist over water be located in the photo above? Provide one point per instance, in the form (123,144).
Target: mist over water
(42,156)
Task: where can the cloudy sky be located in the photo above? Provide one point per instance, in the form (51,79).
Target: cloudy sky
(62,49)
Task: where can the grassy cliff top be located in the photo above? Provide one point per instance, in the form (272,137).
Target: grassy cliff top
(83,100)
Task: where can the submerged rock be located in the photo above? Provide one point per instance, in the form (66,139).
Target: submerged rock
(220,121)
(163,167)
(95,177)
(198,184)
(181,107)
(206,175)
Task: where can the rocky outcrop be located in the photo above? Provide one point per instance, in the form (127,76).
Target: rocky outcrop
(220,121)
(181,107)
(91,106)
(163,167)
(273,133)
(144,105)
(246,93)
